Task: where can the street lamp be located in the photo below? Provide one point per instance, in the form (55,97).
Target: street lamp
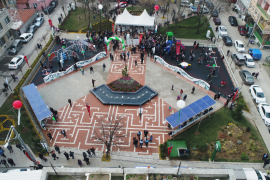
(140,112)
(180,105)
(100,7)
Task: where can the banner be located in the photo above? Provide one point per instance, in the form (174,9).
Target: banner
(235,94)
(169,150)
(88,108)
(113,27)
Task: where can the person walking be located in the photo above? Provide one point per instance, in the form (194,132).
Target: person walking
(69,101)
(84,155)
(66,155)
(91,70)
(79,162)
(216,95)
(139,135)
(54,155)
(86,159)
(104,66)
(265,156)
(82,71)
(135,142)
(172,87)
(57,148)
(146,142)
(228,52)
(136,63)
(93,82)
(193,89)
(93,151)
(145,133)
(184,97)
(50,136)
(151,138)
(4,162)
(256,75)
(18,145)
(89,152)
(11,162)
(9,147)
(42,157)
(141,143)
(181,92)
(128,55)
(2,152)
(6,86)
(64,133)
(71,154)
(217,29)
(121,57)
(266,161)
(59,20)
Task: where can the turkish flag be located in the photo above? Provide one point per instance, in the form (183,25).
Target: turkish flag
(88,108)
(235,94)
(26,60)
(169,150)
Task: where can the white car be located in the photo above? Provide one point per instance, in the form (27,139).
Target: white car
(264,110)
(16,62)
(121,5)
(257,94)
(222,31)
(25,37)
(249,60)
(239,45)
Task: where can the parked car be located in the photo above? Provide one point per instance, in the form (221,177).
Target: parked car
(246,77)
(233,21)
(25,37)
(15,47)
(239,45)
(215,13)
(204,10)
(227,40)
(53,3)
(239,59)
(257,94)
(210,5)
(242,30)
(194,9)
(32,29)
(121,5)
(217,21)
(39,21)
(50,10)
(256,54)
(249,60)
(15,62)
(264,110)
(222,31)
(186,4)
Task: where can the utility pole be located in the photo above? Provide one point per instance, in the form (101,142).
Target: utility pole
(53,168)
(178,172)
(11,130)
(46,9)
(253,30)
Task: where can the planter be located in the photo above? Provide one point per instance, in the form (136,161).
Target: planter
(99,176)
(135,177)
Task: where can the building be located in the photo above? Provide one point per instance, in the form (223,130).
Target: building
(33,4)
(22,19)
(242,6)
(259,11)
(6,37)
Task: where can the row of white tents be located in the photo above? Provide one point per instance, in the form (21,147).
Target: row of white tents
(129,20)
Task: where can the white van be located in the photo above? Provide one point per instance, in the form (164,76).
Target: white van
(25,37)
(253,174)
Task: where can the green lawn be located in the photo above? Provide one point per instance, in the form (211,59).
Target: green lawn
(188,31)
(210,127)
(26,129)
(74,24)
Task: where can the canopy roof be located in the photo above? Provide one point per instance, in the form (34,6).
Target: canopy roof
(127,19)
(36,102)
(190,111)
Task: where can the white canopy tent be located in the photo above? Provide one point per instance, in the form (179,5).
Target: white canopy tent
(129,20)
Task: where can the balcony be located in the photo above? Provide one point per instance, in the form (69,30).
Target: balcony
(261,25)
(264,12)
(258,36)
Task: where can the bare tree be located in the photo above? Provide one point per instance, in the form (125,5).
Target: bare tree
(63,3)
(109,133)
(165,8)
(220,7)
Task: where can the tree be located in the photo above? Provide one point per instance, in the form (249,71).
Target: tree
(63,3)
(220,7)
(109,133)
(125,72)
(166,4)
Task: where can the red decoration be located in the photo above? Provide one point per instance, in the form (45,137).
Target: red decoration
(17,104)
(156,7)
(50,22)
(88,108)
(26,60)
(169,150)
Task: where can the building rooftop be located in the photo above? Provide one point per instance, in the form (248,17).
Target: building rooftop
(20,16)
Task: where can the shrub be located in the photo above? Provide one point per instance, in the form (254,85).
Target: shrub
(124,89)
(162,155)
(30,126)
(113,86)
(116,89)
(110,84)
(139,85)
(203,147)
(244,156)
(248,129)
(120,89)
(129,90)
(162,149)
(239,108)
(135,88)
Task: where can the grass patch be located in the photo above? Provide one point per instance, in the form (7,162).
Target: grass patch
(211,127)
(74,24)
(105,159)
(245,104)
(187,29)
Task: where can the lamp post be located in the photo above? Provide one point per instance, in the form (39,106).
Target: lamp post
(180,105)
(100,7)
(140,112)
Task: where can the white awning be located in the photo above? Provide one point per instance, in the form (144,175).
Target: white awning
(127,19)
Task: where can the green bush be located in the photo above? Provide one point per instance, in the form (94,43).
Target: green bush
(162,149)
(116,89)
(203,147)
(162,155)
(238,110)
(135,88)
(125,89)
(244,156)
(129,90)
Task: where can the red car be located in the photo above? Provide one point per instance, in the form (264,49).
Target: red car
(216,20)
(242,30)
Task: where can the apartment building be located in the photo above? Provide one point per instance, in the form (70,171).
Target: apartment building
(260,13)
(6,37)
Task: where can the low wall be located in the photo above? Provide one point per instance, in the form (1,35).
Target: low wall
(199,82)
(79,64)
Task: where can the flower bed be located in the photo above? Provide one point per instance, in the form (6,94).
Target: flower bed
(125,84)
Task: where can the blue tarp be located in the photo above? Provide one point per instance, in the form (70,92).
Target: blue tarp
(190,111)
(36,102)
